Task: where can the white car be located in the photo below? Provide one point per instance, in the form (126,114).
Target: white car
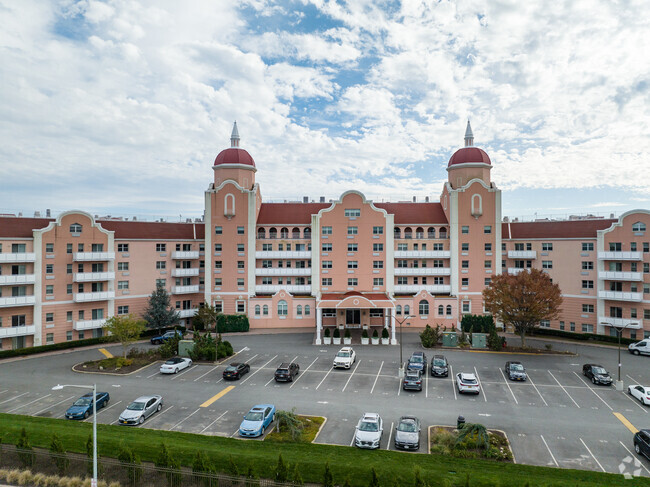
(467,383)
(344,358)
(369,431)
(642,347)
(173,365)
(642,393)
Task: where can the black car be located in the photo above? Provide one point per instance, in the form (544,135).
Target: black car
(597,374)
(418,361)
(412,380)
(235,371)
(286,372)
(642,442)
(439,366)
(515,371)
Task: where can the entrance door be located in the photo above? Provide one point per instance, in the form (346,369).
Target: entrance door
(353,318)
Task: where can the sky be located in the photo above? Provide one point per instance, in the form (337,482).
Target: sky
(120,106)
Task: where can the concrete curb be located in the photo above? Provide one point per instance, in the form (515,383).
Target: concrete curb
(111,373)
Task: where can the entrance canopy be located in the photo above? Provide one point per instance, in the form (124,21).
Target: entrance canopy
(355,300)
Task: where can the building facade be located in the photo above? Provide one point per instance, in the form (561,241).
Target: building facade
(350,262)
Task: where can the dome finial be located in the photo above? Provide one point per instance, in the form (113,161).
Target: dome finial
(469,136)
(234,137)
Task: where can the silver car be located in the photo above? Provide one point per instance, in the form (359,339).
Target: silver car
(141,409)
(407,433)
(369,431)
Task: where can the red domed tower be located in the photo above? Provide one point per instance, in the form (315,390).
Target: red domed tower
(468,163)
(234,163)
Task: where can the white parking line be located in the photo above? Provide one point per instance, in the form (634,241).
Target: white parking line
(592,455)
(567,392)
(50,407)
(352,442)
(549,450)
(221,416)
(6,390)
(390,435)
(426,385)
(106,409)
(481,386)
(349,378)
(182,420)
(157,372)
(635,401)
(507,384)
(211,370)
(301,373)
(377,377)
(453,382)
(183,372)
(540,394)
(635,458)
(323,379)
(267,363)
(28,403)
(15,397)
(595,393)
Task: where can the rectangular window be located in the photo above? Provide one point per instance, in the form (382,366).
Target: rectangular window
(352,247)
(240,264)
(633,246)
(487,281)
(615,246)
(218,230)
(464,281)
(646,247)
(466,307)
(352,212)
(487,229)
(646,314)
(68,248)
(586,328)
(218,281)
(240,247)
(353,264)
(547,246)
(49,289)
(161,247)
(465,264)
(378,281)
(97,247)
(327,230)
(68,288)
(161,282)
(587,308)
(326,281)
(587,284)
(377,264)
(377,230)
(464,247)
(240,230)
(587,265)
(161,264)
(327,264)
(68,316)
(122,284)
(49,317)
(353,281)
(402,281)
(326,247)
(122,247)
(265,247)
(19,320)
(122,266)
(547,264)
(217,264)
(49,248)
(377,247)
(240,282)
(49,338)
(545,324)
(464,229)
(267,280)
(587,246)
(488,247)
(217,247)
(49,268)
(122,310)
(488,264)
(241,306)
(353,230)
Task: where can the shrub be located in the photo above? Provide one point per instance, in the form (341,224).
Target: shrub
(337,333)
(232,467)
(60,459)
(429,337)
(347,333)
(296,478)
(375,334)
(364,334)
(26,456)
(477,323)
(327,332)
(290,420)
(384,333)
(123,362)
(232,323)
(132,463)
(328,481)
(494,341)
(374,481)
(281,473)
(205,347)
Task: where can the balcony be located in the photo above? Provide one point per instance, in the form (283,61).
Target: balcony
(620,256)
(94,276)
(282,271)
(629,323)
(620,296)
(13,301)
(8,258)
(423,254)
(515,270)
(17,279)
(194,288)
(93,256)
(187,313)
(17,331)
(620,276)
(415,288)
(185,254)
(97,296)
(185,272)
(522,254)
(422,271)
(293,289)
(89,324)
(287,254)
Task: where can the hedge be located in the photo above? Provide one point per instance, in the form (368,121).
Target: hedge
(477,323)
(582,336)
(231,323)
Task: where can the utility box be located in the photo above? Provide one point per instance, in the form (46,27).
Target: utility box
(479,340)
(449,339)
(185,347)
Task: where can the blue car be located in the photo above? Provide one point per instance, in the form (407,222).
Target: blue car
(257,420)
(157,340)
(83,407)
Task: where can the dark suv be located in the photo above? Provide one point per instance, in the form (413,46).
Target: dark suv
(515,371)
(286,372)
(418,361)
(439,366)
(642,443)
(597,374)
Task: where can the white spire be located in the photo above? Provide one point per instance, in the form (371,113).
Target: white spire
(234,137)
(469,136)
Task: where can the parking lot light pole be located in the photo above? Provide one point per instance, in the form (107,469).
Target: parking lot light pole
(58,387)
(619,332)
(401,360)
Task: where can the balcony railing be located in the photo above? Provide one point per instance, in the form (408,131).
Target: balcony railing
(17,331)
(286,254)
(194,288)
(17,257)
(13,301)
(185,272)
(185,254)
(97,296)
(268,288)
(430,254)
(620,256)
(94,276)
(515,270)
(522,254)
(93,256)
(89,324)
(276,271)
(422,271)
(620,296)
(620,276)
(17,279)
(630,323)
(415,288)
(187,313)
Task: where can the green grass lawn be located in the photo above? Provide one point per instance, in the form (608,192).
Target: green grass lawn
(393,468)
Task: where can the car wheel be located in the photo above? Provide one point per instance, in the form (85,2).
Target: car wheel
(593,380)
(141,420)
(637,448)
(636,352)
(159,407)
(86,414)
(176,370)
(105,403)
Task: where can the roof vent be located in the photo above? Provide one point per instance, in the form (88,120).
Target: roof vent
(305,199)
(37,214)
(426,199)
(322,199)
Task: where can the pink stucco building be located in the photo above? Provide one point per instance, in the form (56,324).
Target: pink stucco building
(350,262)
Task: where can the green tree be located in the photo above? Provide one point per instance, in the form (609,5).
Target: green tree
(131,462)
(290,421)
(281,471)
(328,480)
(474,432)
(159,313)
(296,478)
(206,318)
(374,480)
(126,329)
(523,300)
(429,337)
(26,456)
(60,458)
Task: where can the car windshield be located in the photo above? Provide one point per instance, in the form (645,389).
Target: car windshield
(367,426)
(82,401)
(517,367)
(599,371)
(416,359)
(343,354)
(407,426)
(136,406)
(439,362)
(412,376)
(171,362)
(468,380)
(231,368)
(253,416)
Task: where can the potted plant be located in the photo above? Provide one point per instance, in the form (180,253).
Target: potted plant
(375,337)
(336,339)
(385,340)
(327,339)
(365,340)
(347,337)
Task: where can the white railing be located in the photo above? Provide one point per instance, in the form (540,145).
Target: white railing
(515,270)
(620,296)
(187,313)
(287,254)
(276,271)
(93,256)
(17,257)
(94,276)
(414,288)
(620,256)
(194,288)
(185,272)
(13,301)
(422,271)
(185,254)
(89,324)
(620,276)
(17,279)
(17,331)
(522,254)
(633,324)
(430,254)
(267,288)
(98,296)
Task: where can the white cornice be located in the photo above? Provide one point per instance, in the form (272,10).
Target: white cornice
(235,166)
(469,164)
(363,200)
(619,223)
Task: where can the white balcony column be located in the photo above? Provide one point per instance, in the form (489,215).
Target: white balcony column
(393,339)
(319,325)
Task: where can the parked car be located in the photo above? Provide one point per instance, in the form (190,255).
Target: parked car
(369,431)
(174,364)
(467,383)
(83,407)
(141,409)
(515,371)
(642,442)
(286,372)
(642,347)
(157,340)
(407,433)
(439,366)
(418,361)
(235,371)
(257,420)
(597,374)
(412,380)
(344,358)
(642,393)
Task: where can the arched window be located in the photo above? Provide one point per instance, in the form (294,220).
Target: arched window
(443,233)
(424,307)
(229,205)
(282,308)
(307,310)
(307,233)
(419,232)
(257,310)
(449,310)
(75,228)
(397,233)
(398,309)
(408,233)
(284,232)
(265,310)
(407,309)
(261,233)
(477,205)
(295,233)
(441,310)
(299,310)
(431,232)
(637,227)
(273,233)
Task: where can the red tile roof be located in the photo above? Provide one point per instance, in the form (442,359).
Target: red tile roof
(234,155)
(563,229)
(14,227)
(415,213)
(469,154)
(289,213)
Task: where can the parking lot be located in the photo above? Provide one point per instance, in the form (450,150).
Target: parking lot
(556,418)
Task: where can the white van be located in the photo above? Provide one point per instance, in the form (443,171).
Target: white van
(642,347)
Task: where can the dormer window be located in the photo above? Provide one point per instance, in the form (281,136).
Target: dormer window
(75,228)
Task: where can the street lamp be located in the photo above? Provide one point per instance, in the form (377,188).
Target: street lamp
(619,332)
(401,360)
(58,387)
